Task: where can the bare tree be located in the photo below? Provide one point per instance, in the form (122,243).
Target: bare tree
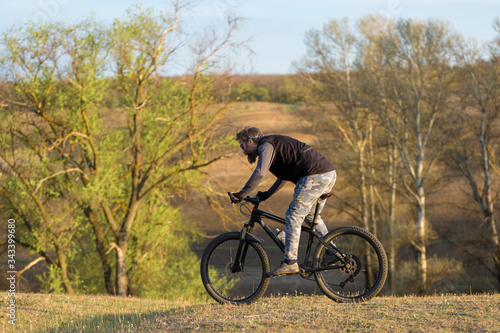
(327,71)
(409,78)
(478,128)
(348,131)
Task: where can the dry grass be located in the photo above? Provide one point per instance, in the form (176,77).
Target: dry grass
(445,313)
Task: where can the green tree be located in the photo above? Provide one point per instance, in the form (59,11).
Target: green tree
(30,117)
(170,128)
(288,92)
(107,169)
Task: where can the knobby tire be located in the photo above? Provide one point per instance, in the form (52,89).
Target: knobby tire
(241,287)
(364,275)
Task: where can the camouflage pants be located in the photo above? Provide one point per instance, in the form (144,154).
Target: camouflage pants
(306,194)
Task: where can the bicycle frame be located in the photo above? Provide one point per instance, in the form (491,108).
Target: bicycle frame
(256,217)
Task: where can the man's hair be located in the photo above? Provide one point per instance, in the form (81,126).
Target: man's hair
(249,133)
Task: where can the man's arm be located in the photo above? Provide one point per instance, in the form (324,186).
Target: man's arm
(266,155)
(278,184)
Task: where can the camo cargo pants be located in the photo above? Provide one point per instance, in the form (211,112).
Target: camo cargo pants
(307,191)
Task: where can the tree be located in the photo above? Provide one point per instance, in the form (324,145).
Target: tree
(27,123)
(409,77)
(394,76)
(330,73)
(476,129)
(107,169)
(170,128)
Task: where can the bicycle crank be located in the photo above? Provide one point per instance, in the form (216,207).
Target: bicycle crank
(306,274)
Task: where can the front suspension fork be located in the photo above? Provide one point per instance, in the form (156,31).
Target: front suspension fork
(241,253)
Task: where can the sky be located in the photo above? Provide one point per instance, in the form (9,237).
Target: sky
(275,29)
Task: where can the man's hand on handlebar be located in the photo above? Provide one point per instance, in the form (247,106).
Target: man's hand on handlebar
(235,197)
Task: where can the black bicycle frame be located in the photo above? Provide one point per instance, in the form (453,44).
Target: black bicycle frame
(256,217)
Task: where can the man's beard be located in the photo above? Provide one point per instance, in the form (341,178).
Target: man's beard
(252,157)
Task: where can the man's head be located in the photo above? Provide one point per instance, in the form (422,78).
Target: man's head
(249,138)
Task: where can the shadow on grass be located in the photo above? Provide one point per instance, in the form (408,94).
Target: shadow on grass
(125,322)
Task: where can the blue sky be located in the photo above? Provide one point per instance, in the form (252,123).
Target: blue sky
(276,28)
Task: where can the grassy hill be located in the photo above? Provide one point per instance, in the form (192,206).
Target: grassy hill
(443,313)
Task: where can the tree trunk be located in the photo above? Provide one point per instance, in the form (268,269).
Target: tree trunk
(392,217)
(121,248)
(373,201)
(421,240)
(121,268)
(100,242)
(489,213)
(64,268)
(365,210)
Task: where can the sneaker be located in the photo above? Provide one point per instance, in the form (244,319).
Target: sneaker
(285,269)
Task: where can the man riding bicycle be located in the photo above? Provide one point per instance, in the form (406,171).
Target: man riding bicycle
(289,160)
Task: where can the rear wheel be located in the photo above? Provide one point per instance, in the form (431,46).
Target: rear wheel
(364,272)
(227,283)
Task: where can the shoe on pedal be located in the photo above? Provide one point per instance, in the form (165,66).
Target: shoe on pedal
(285,269)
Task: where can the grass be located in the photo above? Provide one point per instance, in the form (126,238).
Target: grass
(445,313)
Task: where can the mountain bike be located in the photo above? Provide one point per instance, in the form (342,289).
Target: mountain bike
(349,263)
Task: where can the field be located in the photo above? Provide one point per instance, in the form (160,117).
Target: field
(298,313)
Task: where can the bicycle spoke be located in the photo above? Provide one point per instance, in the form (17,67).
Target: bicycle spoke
(365,269)
(227,284)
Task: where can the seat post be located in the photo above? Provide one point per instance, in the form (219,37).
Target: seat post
(316,211)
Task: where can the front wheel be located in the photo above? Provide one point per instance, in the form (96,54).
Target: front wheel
(227,283)
(362,274)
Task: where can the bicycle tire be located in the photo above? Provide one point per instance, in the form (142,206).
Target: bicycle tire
(234,288)
(366,273)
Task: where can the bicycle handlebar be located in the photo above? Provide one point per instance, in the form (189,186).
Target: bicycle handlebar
(253,200)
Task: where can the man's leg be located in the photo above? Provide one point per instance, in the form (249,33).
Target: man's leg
(307,191)
(320,224)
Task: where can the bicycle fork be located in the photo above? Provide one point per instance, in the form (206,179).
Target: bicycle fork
(245,237)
